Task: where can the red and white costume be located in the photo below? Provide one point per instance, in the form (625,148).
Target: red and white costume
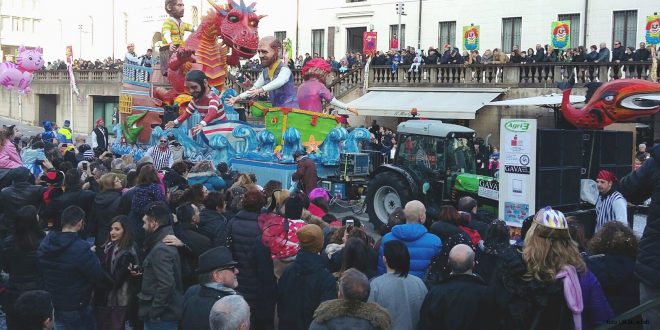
(209,106)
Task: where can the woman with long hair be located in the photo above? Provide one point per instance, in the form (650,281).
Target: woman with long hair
(356,253)
(106,205)
(9,157)
(147,190)
(117,255)
(448,223)
(548,286)
(19,260)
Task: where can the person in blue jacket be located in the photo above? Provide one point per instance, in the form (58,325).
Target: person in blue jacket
(204,173)
(421,244)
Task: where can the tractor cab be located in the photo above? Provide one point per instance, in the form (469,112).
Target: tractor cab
(431,159)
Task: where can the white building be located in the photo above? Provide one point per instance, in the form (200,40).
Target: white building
(333,27)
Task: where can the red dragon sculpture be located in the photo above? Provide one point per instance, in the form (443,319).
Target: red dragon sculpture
(611,102)
(236,25)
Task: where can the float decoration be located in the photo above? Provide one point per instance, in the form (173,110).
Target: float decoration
(19,75)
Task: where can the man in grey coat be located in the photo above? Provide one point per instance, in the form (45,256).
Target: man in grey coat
(161,296)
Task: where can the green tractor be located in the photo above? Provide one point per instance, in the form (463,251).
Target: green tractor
(434,163)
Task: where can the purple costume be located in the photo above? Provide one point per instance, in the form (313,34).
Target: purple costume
(284,96)
(311,93)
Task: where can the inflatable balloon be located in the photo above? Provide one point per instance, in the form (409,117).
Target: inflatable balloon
(19,75)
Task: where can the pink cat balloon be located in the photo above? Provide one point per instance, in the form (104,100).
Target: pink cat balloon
(19,75)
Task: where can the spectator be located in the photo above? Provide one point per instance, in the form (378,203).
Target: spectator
(106,204)
(177,150)
(161,295)
(19,261)
(488,254)
(613,251)
(20,193)
(469,205)
(204,173)
(540,285)
(70,271)
(357,253)
(130,57)
(421,244)
(34,311)
(195,243)
(351,310)
(212,222)
(305,283)
(161,154)
(148,190)
(217,279)
(117,255)
(397,217)
(462,302)
(237,190)
(176,178)
(223,170)
(99,136)
(73,195)
(447,224)
(9,157)
(231,312)
(387,289)
(603,54)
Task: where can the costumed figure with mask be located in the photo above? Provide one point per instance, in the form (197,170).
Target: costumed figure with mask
(172,31)
(313,91)
(276,78)
(203,101)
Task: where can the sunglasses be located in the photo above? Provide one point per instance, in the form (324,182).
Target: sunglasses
(163,141)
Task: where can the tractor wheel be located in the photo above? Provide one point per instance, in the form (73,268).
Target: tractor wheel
(386,192)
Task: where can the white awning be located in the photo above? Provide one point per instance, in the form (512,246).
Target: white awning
(437,103)
(542,100)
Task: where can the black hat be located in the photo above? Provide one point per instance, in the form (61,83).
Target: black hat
(300,152)
(215,258)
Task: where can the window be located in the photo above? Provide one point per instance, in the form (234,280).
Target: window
(575,27)
(511,28)
(394,30)
(447,34)
(280,35)
(624,27)
(318,41)
(15,24)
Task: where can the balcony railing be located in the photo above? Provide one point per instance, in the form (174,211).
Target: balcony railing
(510,75)
(82,76)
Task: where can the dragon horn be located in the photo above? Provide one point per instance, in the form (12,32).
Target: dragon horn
(262,16)
(217,7)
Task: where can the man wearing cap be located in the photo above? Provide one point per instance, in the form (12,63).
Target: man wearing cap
(64,134)
(306,283)
(203,100)
(100,135)
(306,172)
(217,278)
(611,205)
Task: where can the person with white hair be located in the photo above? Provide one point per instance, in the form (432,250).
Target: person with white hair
(230,313)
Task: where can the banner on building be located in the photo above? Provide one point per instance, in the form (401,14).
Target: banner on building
(69,54)
(471,37)
(517,183)
(653,30)
(561,34)
(369,42)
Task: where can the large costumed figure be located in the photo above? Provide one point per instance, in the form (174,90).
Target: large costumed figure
(204,101)
(313,91)
(276,78)
(172,31)
(19,75)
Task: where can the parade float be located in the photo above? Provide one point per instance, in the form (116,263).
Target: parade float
(227,34)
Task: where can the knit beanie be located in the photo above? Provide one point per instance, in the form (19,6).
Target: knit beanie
(311,238)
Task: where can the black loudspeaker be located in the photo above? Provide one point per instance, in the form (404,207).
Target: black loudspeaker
(557,186)
(559,167)
(610,150)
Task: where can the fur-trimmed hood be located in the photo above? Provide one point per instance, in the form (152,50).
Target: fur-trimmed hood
(200,174)
(376,315)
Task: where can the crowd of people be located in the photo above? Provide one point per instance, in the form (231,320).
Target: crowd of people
(82,64)
(112,241)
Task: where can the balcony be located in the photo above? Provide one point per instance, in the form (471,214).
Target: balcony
(82,76)
(504,75)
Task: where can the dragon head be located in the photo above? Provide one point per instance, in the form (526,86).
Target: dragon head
(238,25)
(624,100)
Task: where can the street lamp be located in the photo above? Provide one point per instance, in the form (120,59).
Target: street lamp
(80,27)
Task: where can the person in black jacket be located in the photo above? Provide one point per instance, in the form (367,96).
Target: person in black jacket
(195,243)
(106,205)
(74,195)
(636,187)
(460,302)
(306,283)
(70,271)
(20,193)
(19,260)
(212,222)
(245,234)
(217,278)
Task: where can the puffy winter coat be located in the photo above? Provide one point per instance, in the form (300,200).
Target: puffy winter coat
(422,246)
(244,231)
(214,225)
(9,157)
(70,270)
(106,205)
(210,180)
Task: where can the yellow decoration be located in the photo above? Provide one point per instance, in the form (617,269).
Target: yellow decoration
(125,104)
(182,99)
(311,145)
